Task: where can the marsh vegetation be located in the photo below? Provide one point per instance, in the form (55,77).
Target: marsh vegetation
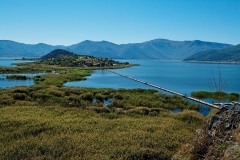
(218,96)
(50,121)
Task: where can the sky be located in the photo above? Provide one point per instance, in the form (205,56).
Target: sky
(66,22)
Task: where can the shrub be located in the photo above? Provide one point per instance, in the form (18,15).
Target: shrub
(76,101)
(117,104)
(6,99)
(200,94)
(100,97)
(153,113)
(138,90)
(19,96)
(72,90)
(20,90)
(40,95)
(147,154)
(234,96)
(111,115)
(200,145)
(87,96)
(99,109)
(118,96)
(139,110)
(17,77)
(25,103)
(191,117)
(55,92)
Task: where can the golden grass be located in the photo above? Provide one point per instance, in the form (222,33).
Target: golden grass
(72,133)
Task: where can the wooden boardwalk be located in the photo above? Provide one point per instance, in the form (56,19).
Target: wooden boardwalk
(167,90)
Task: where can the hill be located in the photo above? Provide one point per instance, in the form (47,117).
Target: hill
(60,57)
(231,54)
(57,54)
(155,49)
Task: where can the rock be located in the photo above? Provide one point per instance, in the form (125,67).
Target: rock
(232,152)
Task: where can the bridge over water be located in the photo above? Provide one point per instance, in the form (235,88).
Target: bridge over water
(166,90)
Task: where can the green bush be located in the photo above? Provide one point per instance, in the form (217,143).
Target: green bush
(118,96)
(147,155)
(6,99)
(20,96)
(99,109)
(87,96)
(191,117)
(100,97)
(55,92)
(234,96)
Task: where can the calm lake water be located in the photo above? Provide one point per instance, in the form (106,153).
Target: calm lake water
(5,83)
(8,62)
(178,76)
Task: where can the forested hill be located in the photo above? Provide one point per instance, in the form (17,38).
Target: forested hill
(155,49)
(60,57)
(58,53)
(231,54)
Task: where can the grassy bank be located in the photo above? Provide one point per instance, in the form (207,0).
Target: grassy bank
(70,133)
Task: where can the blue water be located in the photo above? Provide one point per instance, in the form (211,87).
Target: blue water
(5,83)
(13,83)
(8,62)
(178,76)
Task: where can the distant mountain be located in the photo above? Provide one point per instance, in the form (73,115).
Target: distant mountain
(231,54)
(154,49)
(15,49)
(177,50)
(97,49)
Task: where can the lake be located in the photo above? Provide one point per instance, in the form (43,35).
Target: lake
(5,83)
(182,77)
(178,76)
(9,62)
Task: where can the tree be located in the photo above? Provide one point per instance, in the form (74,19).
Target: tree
(218,85)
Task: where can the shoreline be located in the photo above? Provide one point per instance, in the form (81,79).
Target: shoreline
(213,62)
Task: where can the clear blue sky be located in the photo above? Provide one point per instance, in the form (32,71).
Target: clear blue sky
(68,22)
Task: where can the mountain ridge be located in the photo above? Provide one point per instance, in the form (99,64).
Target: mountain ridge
(231,54)
(154,49)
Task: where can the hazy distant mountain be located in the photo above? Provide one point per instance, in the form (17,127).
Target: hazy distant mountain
(97,49)
(154,49)
(15,49)
(166,49)
(231,54)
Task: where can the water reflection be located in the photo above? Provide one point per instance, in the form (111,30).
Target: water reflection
(7,83)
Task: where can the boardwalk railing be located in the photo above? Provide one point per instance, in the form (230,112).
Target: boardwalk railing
(166,90)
